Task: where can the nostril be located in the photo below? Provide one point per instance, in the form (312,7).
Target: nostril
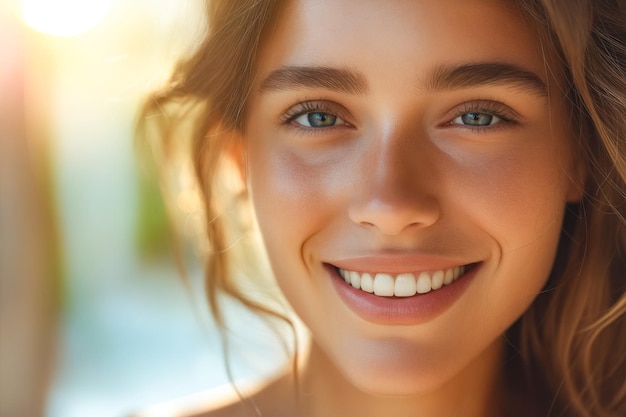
(392,219)
(393,201)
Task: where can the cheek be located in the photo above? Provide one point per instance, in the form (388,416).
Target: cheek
(296,196)
(515,197)
(514,203)
(295,192)
(287,195)
(292,200)
(517,204)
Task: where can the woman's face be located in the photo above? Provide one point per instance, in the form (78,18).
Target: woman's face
(420,150)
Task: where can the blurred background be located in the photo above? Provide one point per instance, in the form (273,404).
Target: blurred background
(95,320)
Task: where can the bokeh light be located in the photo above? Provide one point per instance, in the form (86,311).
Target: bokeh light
(64,17)
(95,319)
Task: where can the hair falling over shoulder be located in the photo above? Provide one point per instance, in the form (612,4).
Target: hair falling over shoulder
(572,341)
(574,335)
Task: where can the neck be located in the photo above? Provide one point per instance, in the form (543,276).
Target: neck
(474,392)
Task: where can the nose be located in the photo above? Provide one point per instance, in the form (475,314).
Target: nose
(396,191)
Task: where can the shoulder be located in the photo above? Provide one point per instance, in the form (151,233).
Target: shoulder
(247,400)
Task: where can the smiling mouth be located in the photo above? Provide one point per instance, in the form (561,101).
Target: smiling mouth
(404,284)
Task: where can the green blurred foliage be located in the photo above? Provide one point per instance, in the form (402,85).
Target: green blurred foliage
(153,232)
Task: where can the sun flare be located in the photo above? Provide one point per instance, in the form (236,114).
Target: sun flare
(64,17)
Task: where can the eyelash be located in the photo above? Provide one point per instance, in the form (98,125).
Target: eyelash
(311,106)
(503,112)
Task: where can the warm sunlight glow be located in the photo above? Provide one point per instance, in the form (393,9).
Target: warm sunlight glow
(64,17)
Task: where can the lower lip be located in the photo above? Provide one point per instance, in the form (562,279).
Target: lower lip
(414,310)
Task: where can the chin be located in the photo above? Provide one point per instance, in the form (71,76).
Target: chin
(390,372)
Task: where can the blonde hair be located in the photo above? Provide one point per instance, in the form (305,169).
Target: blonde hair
(572,340)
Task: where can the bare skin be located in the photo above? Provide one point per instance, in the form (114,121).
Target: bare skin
(423,136)
(316,395)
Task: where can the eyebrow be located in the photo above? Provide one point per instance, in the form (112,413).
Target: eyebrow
(336,79)
(487,73)
(444,77)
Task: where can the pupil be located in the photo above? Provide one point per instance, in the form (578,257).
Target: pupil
(321,119)
(477,119)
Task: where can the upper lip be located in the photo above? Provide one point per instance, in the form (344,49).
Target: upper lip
(397,264)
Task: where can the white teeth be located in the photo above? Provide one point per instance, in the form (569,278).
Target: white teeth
(383,285)
(448,276)
(367,283)
(402,285)
(405,285)
(355,279)
(423,283)
(437,281)
(342,273)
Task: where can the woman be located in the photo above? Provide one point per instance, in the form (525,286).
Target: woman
(440,191)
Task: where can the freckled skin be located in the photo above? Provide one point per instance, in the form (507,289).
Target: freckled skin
(399,176)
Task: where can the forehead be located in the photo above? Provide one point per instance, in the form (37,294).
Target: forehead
(387,36)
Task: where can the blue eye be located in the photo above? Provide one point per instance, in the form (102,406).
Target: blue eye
(318,119)
(315,115)
(477,119)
